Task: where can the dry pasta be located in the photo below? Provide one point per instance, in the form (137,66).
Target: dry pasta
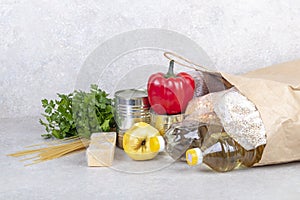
(53,150)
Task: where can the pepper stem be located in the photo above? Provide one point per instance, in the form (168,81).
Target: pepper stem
(171,70)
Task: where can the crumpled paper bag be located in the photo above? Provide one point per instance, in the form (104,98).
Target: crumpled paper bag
(275,91)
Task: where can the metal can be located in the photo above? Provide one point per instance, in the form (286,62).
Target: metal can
(131,106)
(163,122)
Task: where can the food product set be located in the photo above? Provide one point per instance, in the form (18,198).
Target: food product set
(179,115)
(214,119)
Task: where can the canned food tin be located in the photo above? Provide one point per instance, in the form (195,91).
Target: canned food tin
(163,122)
(131,106)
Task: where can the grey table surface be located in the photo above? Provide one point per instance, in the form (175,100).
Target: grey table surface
(70,178)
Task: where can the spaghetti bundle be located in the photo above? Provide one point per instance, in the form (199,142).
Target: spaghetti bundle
(52,150)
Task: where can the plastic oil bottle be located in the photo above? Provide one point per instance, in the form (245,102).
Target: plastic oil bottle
(221,153)
(173,142)
(181,137)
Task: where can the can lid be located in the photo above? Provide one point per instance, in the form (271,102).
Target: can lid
(157,144)
(131,97)
(194,156)
(131,94)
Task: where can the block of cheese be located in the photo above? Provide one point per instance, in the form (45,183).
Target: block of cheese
(101,149)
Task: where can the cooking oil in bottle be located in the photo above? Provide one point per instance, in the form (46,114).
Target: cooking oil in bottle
(175,141)
(181,137)
(221,153)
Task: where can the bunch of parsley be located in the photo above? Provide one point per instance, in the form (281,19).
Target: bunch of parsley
(78,114)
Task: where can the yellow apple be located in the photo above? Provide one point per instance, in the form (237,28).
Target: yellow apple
(136,141)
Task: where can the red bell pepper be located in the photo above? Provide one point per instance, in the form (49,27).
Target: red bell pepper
(170,93)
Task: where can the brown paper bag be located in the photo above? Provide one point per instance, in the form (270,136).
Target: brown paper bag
(275,91)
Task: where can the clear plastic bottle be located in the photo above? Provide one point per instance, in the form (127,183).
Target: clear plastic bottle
(181,137)
(221,153)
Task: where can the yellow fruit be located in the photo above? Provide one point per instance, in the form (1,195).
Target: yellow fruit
(136,141)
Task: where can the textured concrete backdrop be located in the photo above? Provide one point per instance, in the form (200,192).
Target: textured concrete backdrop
(43,43)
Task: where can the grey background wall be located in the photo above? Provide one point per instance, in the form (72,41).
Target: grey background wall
(43,44)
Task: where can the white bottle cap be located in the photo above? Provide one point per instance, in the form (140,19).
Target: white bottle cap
(161,143)
(157,144)
(194,156)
